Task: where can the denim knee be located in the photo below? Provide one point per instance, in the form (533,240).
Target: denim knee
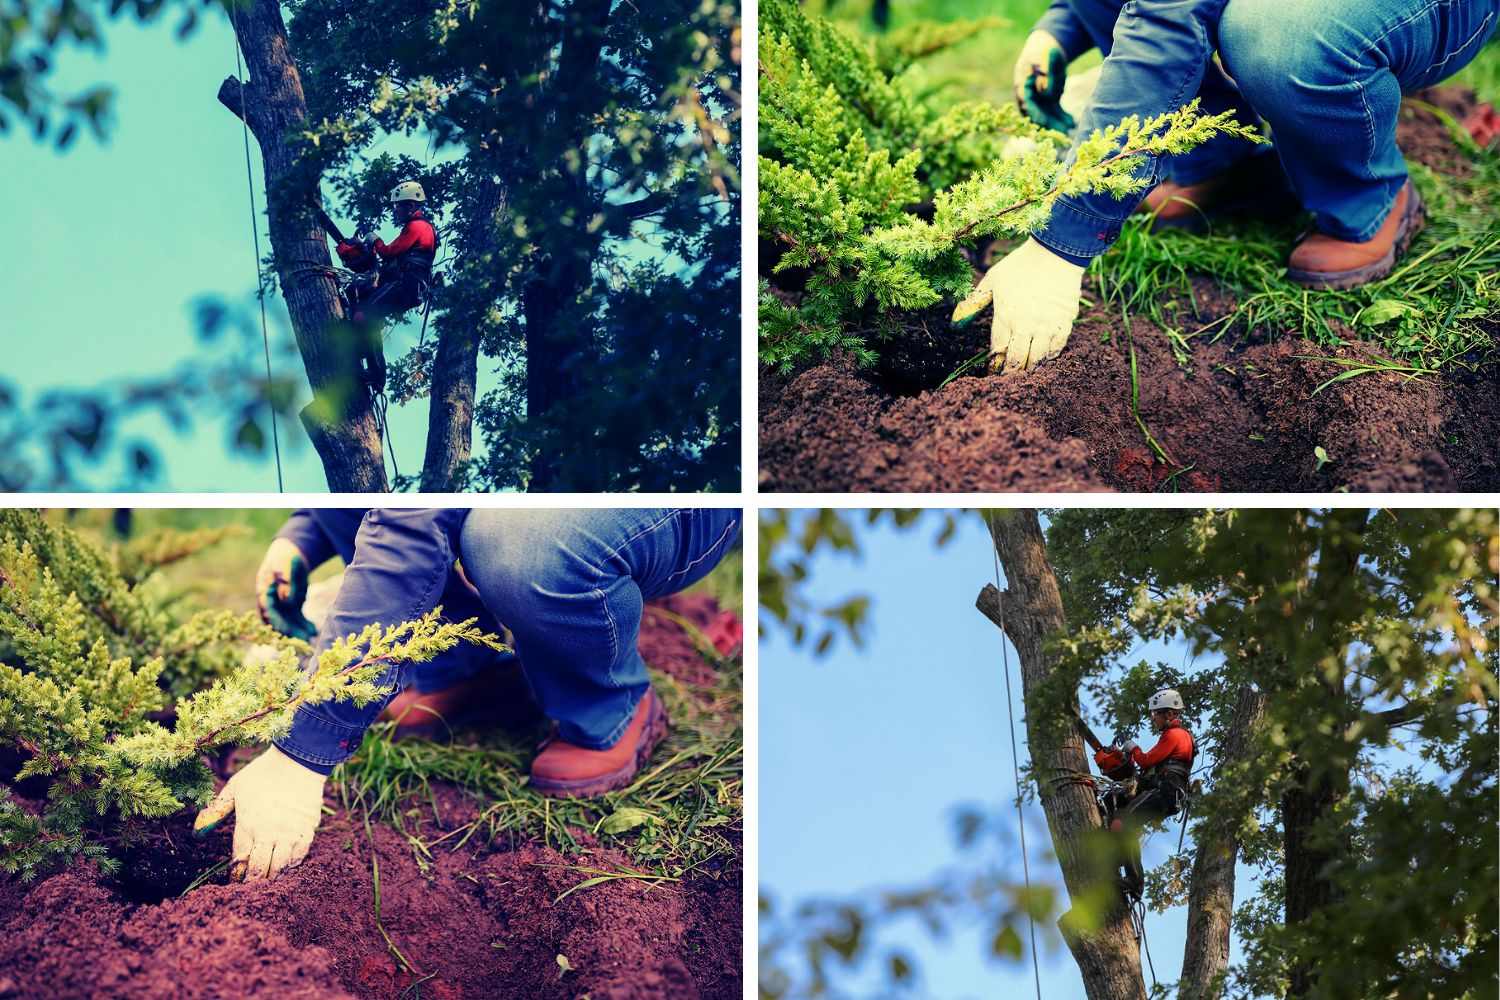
(515,560)
(1272,49)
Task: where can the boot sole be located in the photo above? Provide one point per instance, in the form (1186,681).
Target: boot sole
(1411,225)
(585,788)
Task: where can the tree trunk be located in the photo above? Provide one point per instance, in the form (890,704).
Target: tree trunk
(1211,891)
(1097,929)
(340,419)
(1310,801)
(450,420)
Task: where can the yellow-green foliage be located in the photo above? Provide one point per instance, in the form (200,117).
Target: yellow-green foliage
(849,154)
(86,663)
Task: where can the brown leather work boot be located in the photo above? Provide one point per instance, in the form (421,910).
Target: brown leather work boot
(1321,261)
(563,770)
(1256,186)
(499,697)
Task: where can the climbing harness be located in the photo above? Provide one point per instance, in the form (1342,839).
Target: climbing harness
(260,289)
(1016,768)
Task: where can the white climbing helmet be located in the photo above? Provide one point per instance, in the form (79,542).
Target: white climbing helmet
(1165,698)
(407,191)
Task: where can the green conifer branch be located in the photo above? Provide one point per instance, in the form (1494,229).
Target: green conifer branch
(876,194)
(92,701)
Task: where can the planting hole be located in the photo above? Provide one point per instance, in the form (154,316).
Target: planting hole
(164,868)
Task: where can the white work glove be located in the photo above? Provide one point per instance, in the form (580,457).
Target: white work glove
(1035,295)
(278,803)
(1129,749)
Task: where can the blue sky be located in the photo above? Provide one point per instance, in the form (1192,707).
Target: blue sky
(865,755)
(112,243)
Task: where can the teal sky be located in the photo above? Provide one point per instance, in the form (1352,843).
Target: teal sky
(110,245)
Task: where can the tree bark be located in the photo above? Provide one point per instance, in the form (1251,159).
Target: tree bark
(340,420)
(1211,891)
(1310,801)
(1028,612)
(450,420)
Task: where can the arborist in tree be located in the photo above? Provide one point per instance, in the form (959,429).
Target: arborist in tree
(1326,75)
(570,586)
(402,273)
(1162,787)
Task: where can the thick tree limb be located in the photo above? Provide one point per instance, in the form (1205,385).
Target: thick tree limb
(340,419)
(1211,892)
(450,421)
(1032,610)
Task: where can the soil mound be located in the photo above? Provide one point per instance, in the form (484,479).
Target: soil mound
(485,921)
(1237,415)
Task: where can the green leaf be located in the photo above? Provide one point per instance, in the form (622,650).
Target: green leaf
(1007,942)
(1383,311)
(627,818)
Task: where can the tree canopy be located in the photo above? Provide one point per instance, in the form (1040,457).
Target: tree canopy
(1341,680)
(581,159)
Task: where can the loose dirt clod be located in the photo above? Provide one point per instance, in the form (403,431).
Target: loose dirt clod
(481,922)
(1238,417)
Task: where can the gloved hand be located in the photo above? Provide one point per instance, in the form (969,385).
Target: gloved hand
(279,803)
(1129,748)
(281,589)
(1040,74)
(1035,294)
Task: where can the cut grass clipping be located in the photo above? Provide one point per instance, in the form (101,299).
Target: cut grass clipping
(1428,312)
(683,811)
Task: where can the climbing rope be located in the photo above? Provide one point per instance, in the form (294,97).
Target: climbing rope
(379,403)
(1138,926)
(260,289)
(1015,762)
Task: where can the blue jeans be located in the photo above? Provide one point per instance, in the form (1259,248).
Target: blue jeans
(1326,75)
(1328,78)
(571,585)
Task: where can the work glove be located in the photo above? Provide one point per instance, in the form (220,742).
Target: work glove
(1128,749)
(1040,73)
(1035,295)
(281,589)
(278,803)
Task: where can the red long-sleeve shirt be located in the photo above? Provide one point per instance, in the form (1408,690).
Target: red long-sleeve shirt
(1175,743)
(417,234)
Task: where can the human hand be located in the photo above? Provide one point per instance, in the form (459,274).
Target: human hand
(1129,748)
(278,802)
(281,589)
(1035,297)
(1040,73)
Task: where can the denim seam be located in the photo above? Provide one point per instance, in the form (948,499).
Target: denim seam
(1375,42)
(1049,240)
(614,635)
(708,551)
(1467,42)
(297,750)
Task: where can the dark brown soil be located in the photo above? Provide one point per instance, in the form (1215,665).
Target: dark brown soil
(1240,417)
(481,922)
